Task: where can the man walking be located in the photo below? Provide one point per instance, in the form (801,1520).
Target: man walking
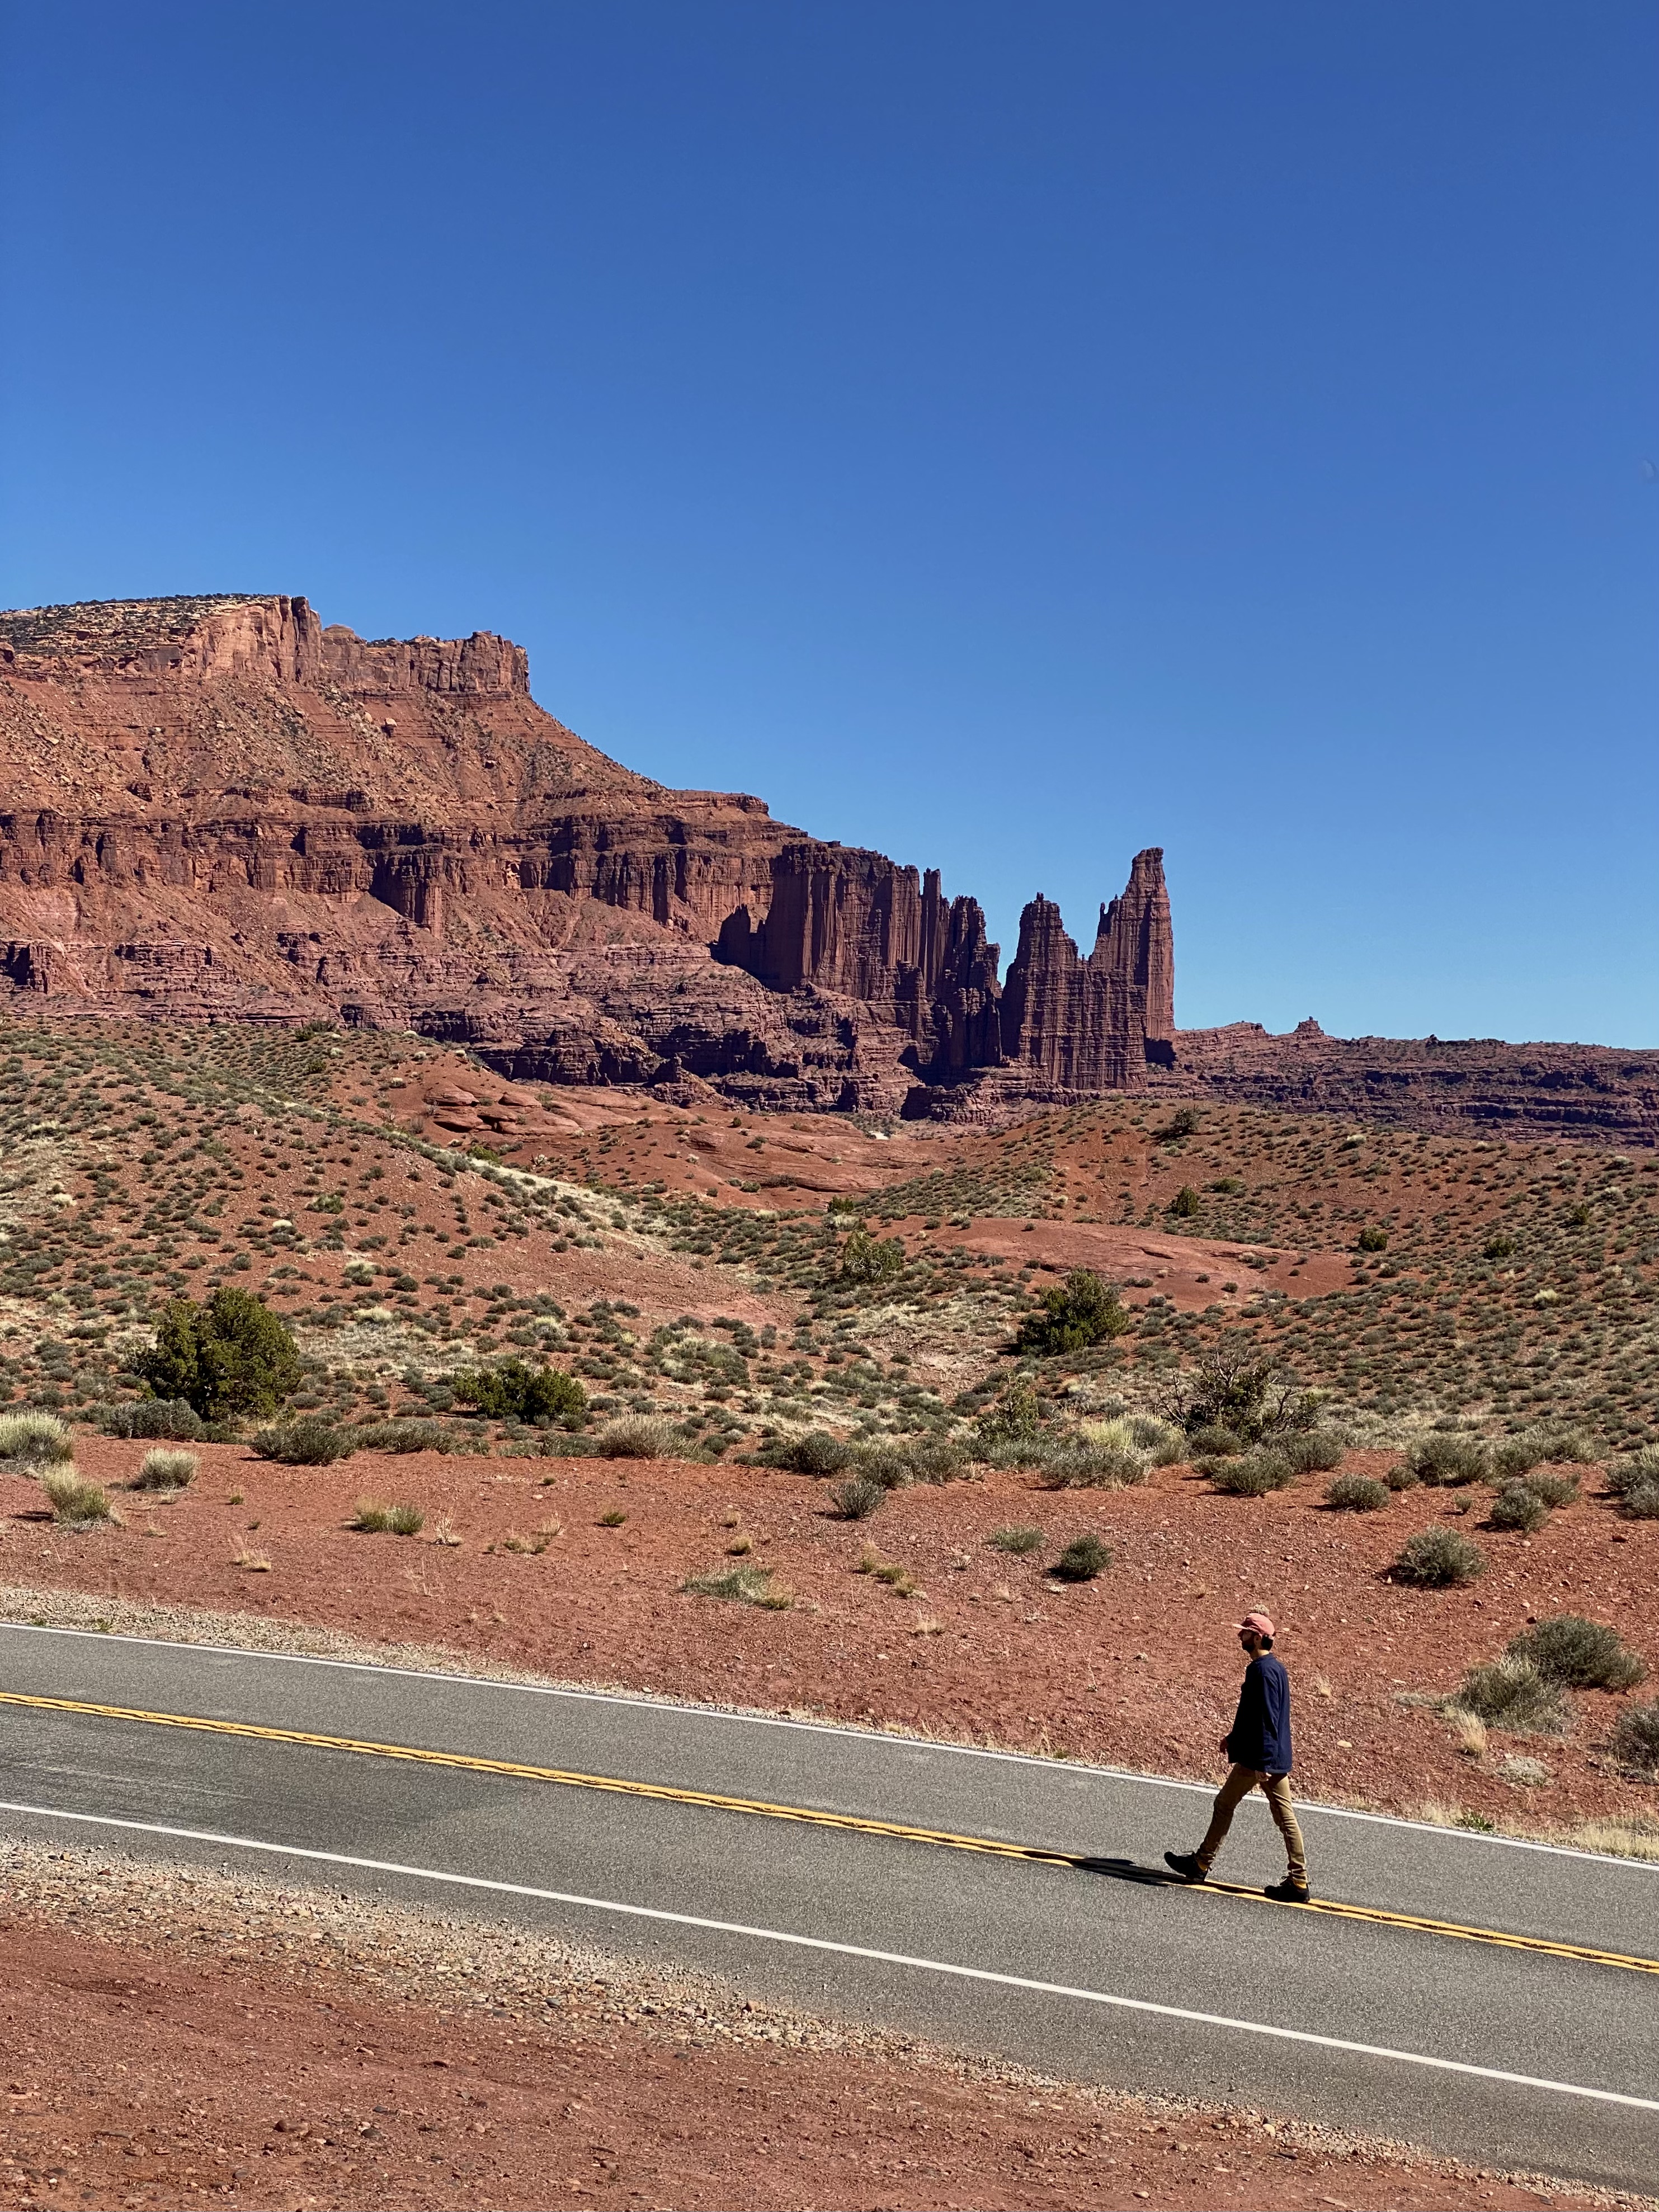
(1259,1746)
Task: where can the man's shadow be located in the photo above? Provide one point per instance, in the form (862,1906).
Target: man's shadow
(1129,1870)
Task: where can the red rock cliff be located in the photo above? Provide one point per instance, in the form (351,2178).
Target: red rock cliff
(217,807)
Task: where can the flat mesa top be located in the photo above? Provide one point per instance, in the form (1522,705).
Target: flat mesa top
(115,623)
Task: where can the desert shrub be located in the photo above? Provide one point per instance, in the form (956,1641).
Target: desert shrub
(174,1418)
(1150,1432)
(1580,1654)
(742,1586)
(1517,1506)
(308,1442)
(1214,1442)
(1553,1489)
(539,1444)
(1230,1388)
(1074,1465)
(1131,1431)
(1252,1474)
(1499,1246)
(888,1464)
(1084,1558)
(1186,1204)
(1511,1694)
(1568,1448)
(166,1470)
(1357,1493)
(638,1435)
(1634,1481)
(1638,1470)
(514,1390)
(1015,1418)
(1401,1476)
(817,1453)
(76,1504)
(1373,1239)
(1446,1459)
(230,1358)
(410,1436)
(36,1439)
(866,1259)
(1636,1736)
(858,1497)
(1018,1540)
(1185,1121)
(1017,1452)
(937,1459)
(1081,1311)
(1439,1558)
(924,1459)
(1516,1456)
(1315,1452)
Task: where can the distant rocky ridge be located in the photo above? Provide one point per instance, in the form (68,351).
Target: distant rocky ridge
(216,807)
(1584,1090)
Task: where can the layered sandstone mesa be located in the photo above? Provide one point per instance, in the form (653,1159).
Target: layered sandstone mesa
(215,807)
(1449,1083)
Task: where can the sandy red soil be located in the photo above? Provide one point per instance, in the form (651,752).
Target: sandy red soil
(159,2068)
(1138,1668)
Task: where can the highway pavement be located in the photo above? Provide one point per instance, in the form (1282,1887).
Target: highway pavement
(1497,2000)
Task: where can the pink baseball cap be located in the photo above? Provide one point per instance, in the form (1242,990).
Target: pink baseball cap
(1257,1621)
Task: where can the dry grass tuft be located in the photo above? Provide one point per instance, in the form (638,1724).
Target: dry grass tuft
(1469,1731)
(76,1504)
(374,1518)
(164,1469)
(899,1579)
(742,1586)
(34,1439)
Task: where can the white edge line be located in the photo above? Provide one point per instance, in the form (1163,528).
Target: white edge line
(844,1950)
(843,1729)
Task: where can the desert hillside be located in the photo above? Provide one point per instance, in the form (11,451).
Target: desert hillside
(844,1476)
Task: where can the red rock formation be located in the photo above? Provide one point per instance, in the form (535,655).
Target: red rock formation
(850,922)
(217,807)
(1081,1024)
(1458,1083)
(1136,945)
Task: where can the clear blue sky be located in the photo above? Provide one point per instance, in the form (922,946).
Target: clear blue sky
(1003,436)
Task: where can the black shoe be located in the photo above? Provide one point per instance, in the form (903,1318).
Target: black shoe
(1287,1891)
(1184,1864)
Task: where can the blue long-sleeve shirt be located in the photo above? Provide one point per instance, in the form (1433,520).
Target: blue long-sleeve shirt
(1261,1734)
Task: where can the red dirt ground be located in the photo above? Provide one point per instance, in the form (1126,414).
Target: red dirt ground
(1138,1668)
(269,2081)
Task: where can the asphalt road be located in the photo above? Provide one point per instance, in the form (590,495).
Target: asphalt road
(1070,1959)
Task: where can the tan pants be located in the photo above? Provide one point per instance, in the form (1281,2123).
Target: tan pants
(1276,1789)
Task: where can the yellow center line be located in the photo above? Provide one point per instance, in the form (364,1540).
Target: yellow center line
(807,1815)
